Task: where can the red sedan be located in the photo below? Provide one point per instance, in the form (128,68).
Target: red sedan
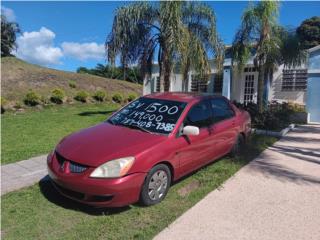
(141,149)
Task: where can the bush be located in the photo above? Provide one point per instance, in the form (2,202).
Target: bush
(32,99)
(117,97)
(81,96)
(72,84)
(18,105)
(57,96)
(131,97)
(99,96)
(275,117)
(44,100)
(3,102)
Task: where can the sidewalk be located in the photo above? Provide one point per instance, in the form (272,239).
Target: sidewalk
(276,196)
(22,174)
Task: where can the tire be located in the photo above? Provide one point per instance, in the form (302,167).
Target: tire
(156,185)
(237,147)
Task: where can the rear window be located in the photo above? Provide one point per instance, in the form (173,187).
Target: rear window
(153,115)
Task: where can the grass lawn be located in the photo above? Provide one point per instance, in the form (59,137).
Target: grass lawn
(36,132)
(38,212)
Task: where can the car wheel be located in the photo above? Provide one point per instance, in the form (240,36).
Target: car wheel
(238,145)
(156,185)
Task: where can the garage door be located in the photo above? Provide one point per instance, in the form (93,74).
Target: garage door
(313,98)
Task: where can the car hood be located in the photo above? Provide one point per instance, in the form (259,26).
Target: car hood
(104,142)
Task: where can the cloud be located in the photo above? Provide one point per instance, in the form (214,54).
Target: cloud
(38,47)
(84,51)
(9,13)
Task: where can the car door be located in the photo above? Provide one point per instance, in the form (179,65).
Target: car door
(193,150)
(223,128)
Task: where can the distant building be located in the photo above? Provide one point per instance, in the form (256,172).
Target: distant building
(299,85)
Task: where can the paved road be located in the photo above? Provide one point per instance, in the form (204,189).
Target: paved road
(276,196)
(22,174)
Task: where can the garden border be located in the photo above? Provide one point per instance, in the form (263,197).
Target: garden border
(282,133)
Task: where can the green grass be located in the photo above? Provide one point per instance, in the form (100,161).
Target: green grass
(38,212)
(36,132)
(18,77)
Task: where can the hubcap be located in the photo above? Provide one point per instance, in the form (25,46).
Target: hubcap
(158,185)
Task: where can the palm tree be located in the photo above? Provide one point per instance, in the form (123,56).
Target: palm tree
(177,33)
(270,44)
(8,36)
(201,39)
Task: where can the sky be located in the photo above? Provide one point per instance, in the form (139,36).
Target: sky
(67,35)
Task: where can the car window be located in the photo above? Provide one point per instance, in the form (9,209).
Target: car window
(221,110)
(199,115)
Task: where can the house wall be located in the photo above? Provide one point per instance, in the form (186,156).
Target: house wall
(314,62)
(176,83)
(226,86)
(277,94)
(313,86)
(234,83)
(147,83)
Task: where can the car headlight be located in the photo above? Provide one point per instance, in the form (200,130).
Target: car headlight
(115,168)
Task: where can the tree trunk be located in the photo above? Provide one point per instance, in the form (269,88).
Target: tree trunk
(165,72)
(124,73)
(260,88)
(186,76)
(167,75)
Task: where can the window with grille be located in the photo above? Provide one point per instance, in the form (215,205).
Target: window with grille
(249,89)
(218,83)
(158,84)
(294,79)
(250,69)
(198,84)
(166,85)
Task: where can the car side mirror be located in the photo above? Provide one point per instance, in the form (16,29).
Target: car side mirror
(190,131)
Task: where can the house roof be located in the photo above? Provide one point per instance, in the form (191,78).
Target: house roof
(314,49)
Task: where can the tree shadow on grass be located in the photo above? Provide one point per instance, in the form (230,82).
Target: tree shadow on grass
(90,113)
(52,195)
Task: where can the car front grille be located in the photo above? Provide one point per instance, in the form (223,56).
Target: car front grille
(77,168)
(73,166)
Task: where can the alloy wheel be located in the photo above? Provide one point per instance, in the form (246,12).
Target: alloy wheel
(157,185)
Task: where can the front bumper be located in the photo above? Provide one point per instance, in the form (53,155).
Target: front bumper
(98,192)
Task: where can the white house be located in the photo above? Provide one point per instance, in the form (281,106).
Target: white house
(300,85)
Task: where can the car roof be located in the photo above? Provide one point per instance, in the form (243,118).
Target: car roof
(182,96)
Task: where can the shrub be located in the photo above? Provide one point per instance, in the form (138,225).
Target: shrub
(18,105)
(32,99)
(72,84)
(44,100)
(57,96)
(131,97)
(117,97)
(275,117)
(81,96)
(3,102)
(99,96)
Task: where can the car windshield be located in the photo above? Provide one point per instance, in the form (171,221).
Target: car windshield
(149,115)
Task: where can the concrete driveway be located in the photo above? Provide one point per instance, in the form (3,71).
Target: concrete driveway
(276,196)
